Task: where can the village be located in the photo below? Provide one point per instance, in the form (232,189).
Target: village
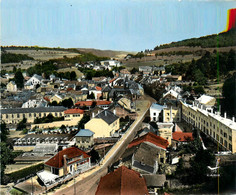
(64,128)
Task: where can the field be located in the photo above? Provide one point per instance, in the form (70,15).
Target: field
(43,55)
(78,73)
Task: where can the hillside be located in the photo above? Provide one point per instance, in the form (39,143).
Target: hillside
(224,39)
(106,53)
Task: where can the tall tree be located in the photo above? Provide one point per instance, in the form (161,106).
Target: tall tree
(19,79)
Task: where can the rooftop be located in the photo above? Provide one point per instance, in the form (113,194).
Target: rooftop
(84,133)
(151,138)
(182,137)
(107,116)
(33,110)
(72,152)
(157,106)
(122,181)
(74,111)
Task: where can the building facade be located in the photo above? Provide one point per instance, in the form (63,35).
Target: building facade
(221,129)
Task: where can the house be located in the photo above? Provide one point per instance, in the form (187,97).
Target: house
(58,98)
(99,103)
(171,95)
(148,153)
(35,103)
(165,130)
(11,86)
(147,69)
(181,138)
(97,91)
(110,63)
(84,138)
(73,114)
(205,102)
(69,160)
(122,181)
(155,111)
(125,73)
(171,114)
(103,124)
(105,92)
(33,82)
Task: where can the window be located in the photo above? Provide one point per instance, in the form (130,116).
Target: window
(154,114)
(221,132)
(230,138)
(225,134)
(221,140)
(230,147)
(18,116)
(6,115)
(225,144)
(154,118)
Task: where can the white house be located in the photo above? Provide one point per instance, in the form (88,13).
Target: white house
(33,81)
(97,91)
(111,63)
(35,103)
(155,111)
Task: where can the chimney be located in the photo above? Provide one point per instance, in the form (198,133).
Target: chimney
(105,113)
(233,119)
(225,115)
(201,106)
(65,165)
(93,115)
(114,111)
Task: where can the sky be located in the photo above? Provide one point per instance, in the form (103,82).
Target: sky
(127,25)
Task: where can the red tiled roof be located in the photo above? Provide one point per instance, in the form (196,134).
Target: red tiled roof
(98,88)
(47,99)
(89,103)
(72,152)
(74,111)
(182,137)
(152,138)
(122,181)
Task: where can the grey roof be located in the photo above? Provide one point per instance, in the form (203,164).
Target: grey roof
(33,110)
(155,180)
(107,116)
(145,157)
(158,106)
(38,77)
(84,133)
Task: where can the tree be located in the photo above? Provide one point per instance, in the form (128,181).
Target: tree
(82,122)
(67,103)
(199,170)
(72,75)
(22,124)
(19,79)
(4,132)
(91,96)
(229,94)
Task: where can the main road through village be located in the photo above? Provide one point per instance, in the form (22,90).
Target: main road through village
(86,183)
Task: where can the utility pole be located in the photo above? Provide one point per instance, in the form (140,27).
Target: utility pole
(74,187)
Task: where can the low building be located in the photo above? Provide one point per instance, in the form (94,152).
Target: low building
(165,130)
(181,138)
(30,141)
(103,124)
(155,111)
(99,103)
(11,86)
(15,115)
(122,181)
(33,82)
(84,138)
(69,160)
